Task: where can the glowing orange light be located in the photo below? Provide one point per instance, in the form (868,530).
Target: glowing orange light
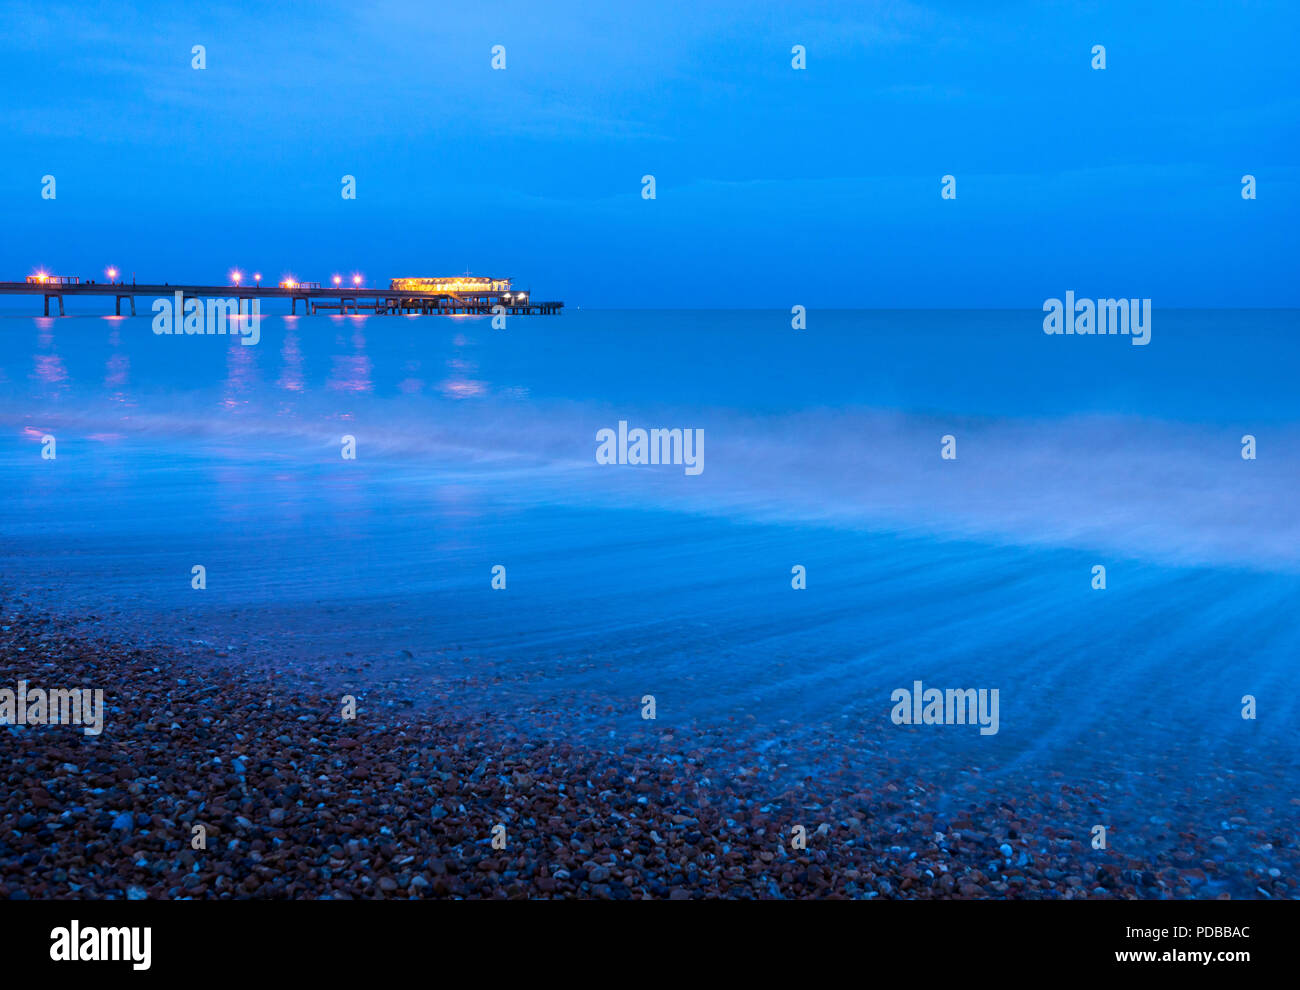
(457,283)
(235,276)
(112,273)
(338,280)
(356,279)
(257,276)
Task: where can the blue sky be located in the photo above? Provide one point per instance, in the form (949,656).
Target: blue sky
(774,186)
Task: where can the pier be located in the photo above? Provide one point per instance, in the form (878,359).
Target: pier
(341,299)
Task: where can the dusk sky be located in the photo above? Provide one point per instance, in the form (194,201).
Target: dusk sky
(774,186)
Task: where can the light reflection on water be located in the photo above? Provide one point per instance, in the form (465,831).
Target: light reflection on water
(973,572)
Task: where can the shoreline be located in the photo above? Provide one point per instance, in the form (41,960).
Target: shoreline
(297,802)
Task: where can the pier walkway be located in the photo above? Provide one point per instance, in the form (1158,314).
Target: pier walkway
(313,298)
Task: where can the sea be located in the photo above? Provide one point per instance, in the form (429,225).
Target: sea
(416,504)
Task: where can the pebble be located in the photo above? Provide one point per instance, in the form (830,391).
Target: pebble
(298,803)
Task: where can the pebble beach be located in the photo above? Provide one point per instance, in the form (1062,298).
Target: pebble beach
(402,801)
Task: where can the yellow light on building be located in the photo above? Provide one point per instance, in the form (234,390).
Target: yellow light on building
(455,283)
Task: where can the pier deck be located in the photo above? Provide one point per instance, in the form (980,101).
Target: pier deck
(344,300)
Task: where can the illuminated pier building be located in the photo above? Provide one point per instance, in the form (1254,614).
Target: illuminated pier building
(453,283)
